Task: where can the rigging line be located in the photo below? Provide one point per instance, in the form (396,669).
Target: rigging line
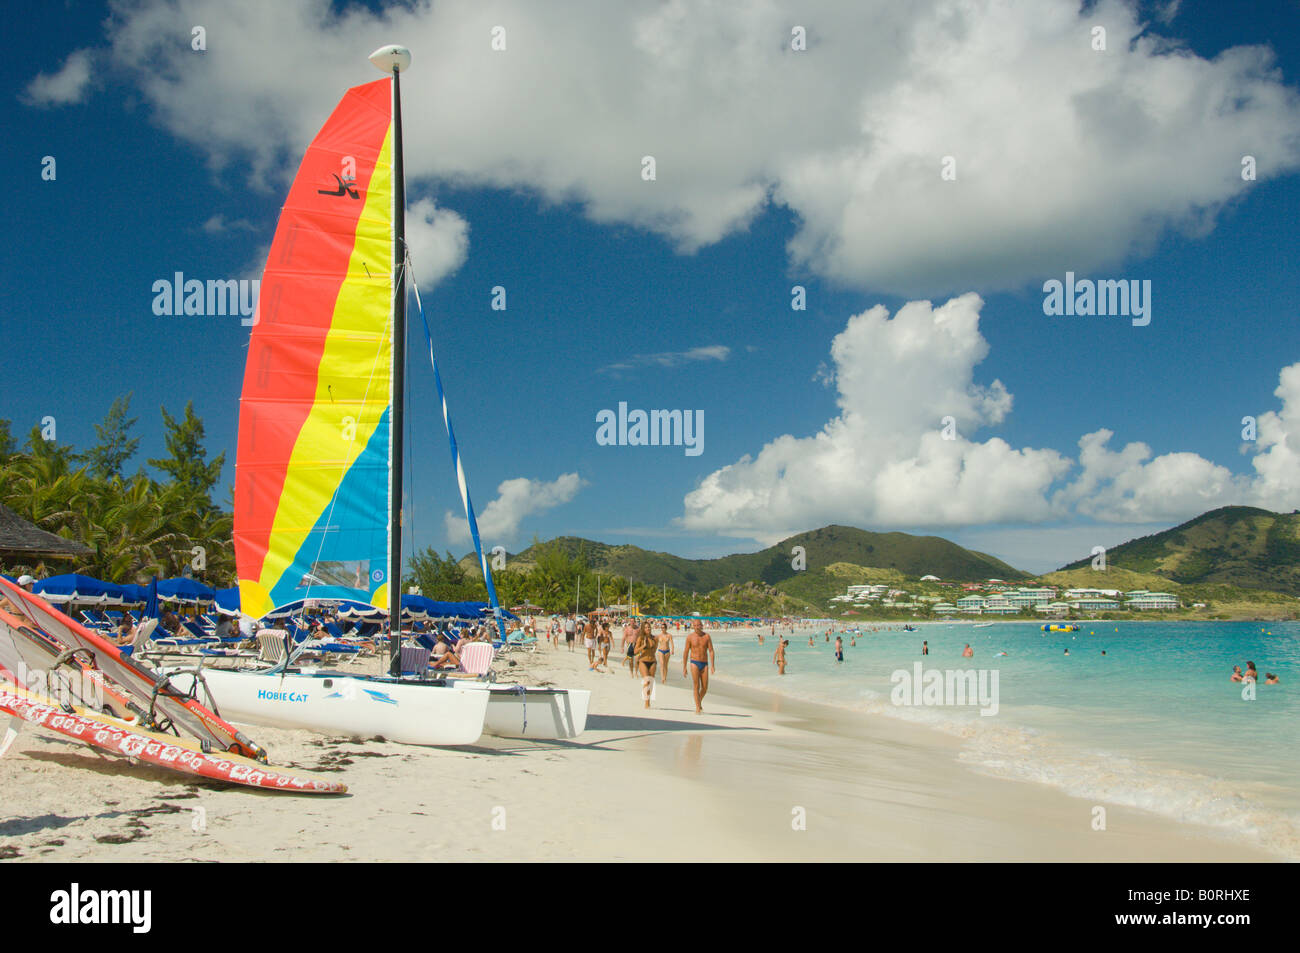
(460,470)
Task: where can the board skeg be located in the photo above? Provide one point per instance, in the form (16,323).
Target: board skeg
(177,754)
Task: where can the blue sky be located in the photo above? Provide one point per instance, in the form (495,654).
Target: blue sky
(533,160)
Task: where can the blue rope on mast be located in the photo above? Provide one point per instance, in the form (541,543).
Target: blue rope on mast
(460,472)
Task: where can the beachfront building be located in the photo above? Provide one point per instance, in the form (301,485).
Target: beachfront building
(1055,610)
(1095,604)
(999,605)
(1030,598)
(1092,593)
(1154,601)
(972,604)
(866,593)
(929,578)
(943,608)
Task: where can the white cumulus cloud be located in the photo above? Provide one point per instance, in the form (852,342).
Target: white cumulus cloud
(67,86)
(884,461)
(1066,158)
(515,500)
(438,239)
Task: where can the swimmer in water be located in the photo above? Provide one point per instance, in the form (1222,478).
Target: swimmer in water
(1236,673)
(778,657)
(1270,679)
(1067,651)
(925,647)
(839,649)
(968,652)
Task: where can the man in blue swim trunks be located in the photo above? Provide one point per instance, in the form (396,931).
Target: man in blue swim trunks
(700,659)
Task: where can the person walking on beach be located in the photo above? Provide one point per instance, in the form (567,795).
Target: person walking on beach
(665,650)
(630,630)
(779,656)
(702,660)
(570,628)
(588,630)
(605,640)
(644,649)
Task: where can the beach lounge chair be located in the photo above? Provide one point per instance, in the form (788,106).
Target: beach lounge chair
(193,630)
(271,646)
(415,660)
(475,657)
(143,643)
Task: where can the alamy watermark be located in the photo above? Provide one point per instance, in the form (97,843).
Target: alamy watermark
(1123,297)
(67,686)
(655,428)
(133,908)
(179,295)
(946,687)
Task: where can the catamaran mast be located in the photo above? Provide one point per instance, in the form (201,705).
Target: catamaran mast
(394,59)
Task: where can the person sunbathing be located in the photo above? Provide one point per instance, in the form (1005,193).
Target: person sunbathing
(443,656)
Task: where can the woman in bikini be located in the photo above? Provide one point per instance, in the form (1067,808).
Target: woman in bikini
(665,651)
(644,649)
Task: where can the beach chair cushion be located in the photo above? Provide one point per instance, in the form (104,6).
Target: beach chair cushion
(476,657)
(271,645)
(415,659)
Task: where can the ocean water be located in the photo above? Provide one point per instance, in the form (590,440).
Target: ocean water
(1154,724)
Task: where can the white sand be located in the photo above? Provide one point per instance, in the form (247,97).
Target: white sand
(658,785)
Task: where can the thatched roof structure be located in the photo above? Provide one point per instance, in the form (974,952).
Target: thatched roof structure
(20,539)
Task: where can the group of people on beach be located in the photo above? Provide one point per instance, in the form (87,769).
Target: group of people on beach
(646,652)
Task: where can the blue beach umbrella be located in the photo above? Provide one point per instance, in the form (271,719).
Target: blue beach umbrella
(228,601)
(151,599)
(73,587)
(184,589)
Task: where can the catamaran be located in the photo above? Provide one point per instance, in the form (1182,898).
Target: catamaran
(318,477)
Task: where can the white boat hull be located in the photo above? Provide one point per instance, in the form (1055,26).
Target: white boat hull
(408,712)
(543,714)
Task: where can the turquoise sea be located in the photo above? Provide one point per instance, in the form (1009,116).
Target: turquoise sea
(1155,723)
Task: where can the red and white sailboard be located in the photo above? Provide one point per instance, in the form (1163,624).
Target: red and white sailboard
(150,689)
(165,751)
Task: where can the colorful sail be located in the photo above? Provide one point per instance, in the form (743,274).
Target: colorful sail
(312,470)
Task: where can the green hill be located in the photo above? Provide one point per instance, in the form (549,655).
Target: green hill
(1236,545)
(898,554)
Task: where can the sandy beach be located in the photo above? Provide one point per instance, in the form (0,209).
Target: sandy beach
(755,778)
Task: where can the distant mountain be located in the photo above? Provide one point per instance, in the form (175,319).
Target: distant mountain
(906,555)
(1235,545)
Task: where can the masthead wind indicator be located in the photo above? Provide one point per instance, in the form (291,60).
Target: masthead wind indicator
(391,58)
